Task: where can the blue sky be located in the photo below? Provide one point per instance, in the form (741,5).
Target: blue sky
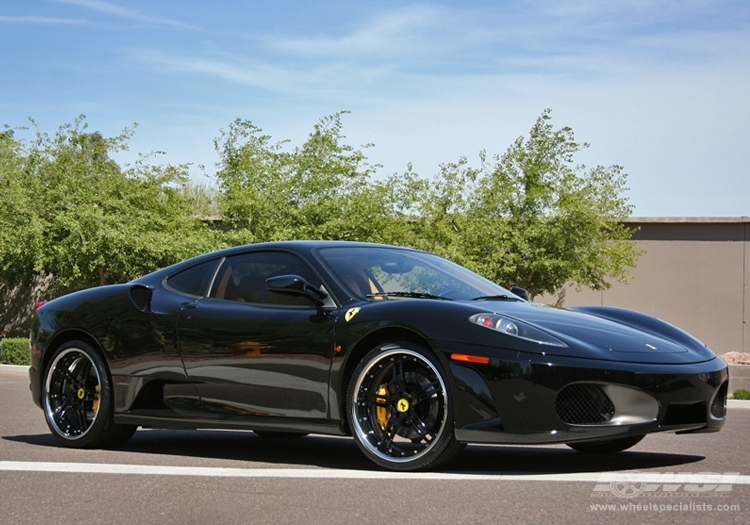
(660,87)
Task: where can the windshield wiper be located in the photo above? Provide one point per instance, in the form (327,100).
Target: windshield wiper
(503,297)
(415,295)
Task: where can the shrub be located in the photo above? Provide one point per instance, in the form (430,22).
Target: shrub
(14,351)
(741,394)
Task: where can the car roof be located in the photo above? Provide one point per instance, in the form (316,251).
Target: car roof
(304,247)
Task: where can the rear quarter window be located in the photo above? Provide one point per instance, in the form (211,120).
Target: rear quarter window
(194,280)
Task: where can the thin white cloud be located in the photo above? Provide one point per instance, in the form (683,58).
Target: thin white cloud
(323,79)
(249,73)
(656,85)
(41,20)
(130,14)
(578,39)
(326,75)
(395,31)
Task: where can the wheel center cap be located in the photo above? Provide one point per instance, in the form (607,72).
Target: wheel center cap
(81,393)
(402,405)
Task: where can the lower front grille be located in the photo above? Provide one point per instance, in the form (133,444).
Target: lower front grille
(584,404)
(691,414)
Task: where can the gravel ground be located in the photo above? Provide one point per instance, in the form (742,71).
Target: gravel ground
(737,358)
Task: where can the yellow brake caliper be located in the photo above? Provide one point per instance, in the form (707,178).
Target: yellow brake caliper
(382,412)
(95,406)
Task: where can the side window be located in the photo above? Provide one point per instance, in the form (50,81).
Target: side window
(194,280)
(243,277)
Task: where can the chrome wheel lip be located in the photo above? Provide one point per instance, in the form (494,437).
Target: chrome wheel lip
(49,411)
(365,435)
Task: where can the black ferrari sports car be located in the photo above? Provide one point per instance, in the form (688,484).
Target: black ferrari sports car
(410,354)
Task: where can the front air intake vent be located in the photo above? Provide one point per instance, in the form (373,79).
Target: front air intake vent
(719,404)
(584,404)
(141,297)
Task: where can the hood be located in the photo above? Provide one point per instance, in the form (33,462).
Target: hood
(605,333)
(633,337)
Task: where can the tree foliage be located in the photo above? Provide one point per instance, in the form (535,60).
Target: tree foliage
(69,210)
(319,190)
(530,216)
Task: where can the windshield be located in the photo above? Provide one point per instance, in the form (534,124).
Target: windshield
(372,272)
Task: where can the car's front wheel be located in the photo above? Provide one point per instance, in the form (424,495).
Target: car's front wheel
(400,408)
(77,399)
(608,446)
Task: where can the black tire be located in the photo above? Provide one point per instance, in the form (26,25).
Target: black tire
(607,446)
(274,434)
(400,408)
(77,399)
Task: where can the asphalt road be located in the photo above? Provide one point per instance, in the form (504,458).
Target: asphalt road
(217,477)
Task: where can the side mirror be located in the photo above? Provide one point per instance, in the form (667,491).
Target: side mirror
(520,292)
(296,285)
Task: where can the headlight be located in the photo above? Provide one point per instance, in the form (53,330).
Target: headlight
(515,328)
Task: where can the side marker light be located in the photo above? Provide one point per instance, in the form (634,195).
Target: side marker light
(471,359)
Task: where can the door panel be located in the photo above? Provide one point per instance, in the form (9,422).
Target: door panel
(250,352)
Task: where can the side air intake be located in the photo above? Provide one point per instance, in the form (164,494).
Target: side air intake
(141,297)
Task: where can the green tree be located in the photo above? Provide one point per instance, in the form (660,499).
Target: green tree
(531,217)
(21,231)
(88,222)
(320,190)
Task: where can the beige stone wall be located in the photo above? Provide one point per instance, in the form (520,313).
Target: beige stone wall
(693,273)
(17,304)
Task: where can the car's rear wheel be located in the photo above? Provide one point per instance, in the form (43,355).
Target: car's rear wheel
(608,446)
(400,408)
(77,399)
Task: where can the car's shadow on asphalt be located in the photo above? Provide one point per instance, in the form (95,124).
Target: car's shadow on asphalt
(343,453)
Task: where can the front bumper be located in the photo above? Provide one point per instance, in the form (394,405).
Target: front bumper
(524,398)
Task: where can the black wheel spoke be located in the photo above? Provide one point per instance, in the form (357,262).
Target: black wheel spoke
(62,410)
(419,426)
(426,392)
(379,399)
(85,372)
(389,435)
(81,417)
(73,419)
(80,369)
(67,374)
(398,371)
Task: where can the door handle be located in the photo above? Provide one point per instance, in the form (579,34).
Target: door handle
(189,305)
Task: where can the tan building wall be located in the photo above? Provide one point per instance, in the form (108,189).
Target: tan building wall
(694,273)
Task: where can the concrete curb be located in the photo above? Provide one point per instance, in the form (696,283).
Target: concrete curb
(18,369)
(739,377)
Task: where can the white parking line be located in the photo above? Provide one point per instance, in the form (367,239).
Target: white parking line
(594,477)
